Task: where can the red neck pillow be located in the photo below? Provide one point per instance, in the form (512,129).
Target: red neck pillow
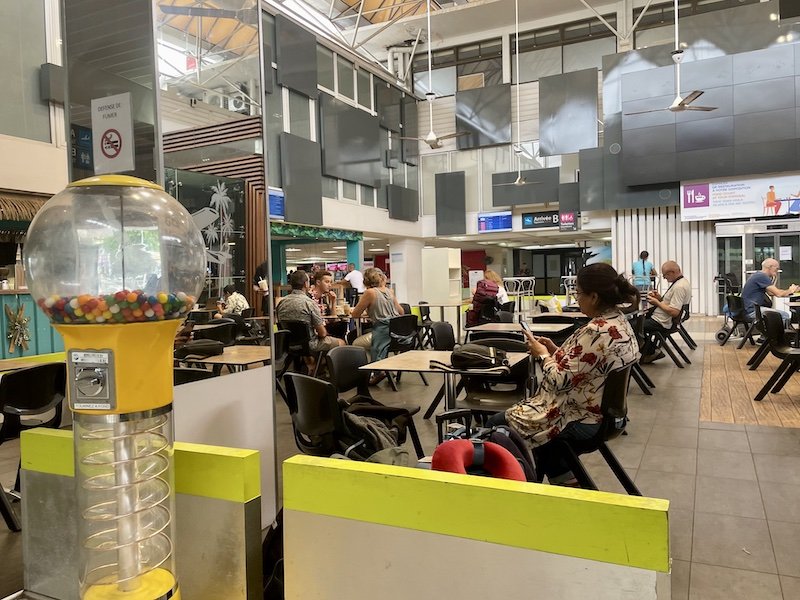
(457,456)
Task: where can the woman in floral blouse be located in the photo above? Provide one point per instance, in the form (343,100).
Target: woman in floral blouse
(567,404)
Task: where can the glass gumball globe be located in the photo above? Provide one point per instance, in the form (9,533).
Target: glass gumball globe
(114,249)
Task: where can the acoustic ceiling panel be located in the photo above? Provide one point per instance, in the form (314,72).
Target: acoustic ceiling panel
(351,145)
(301,171)
(541,187)
(451,203)
(296,55)
(568,112)
(484,115)
(403,203)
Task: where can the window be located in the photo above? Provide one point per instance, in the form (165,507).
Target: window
(364,89)
(22,35)
(299,115)
(367,195)
(274,107)
(330,187)
(444,81)
(537,64)
(344,70)
(326,76)
(349,190)
(588,54)
(493,160)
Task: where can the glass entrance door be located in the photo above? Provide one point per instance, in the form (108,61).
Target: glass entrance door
(785,248)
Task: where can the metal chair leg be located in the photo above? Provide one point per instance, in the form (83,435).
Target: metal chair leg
(786,364)
(437,400)
(412,432)
(619,472)
(645,377)
(787,375)
(642,385)
(9,516)
(679,350)
(670,353)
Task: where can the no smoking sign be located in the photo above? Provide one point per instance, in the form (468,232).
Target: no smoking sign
(111,144)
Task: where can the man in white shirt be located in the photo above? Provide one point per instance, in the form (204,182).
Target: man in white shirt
(234,303)
(356,280)
(667,308)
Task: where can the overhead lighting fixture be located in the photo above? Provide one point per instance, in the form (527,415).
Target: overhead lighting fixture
(429,247)
(329,252)
(548,247)
(375,250)
(294,250)
(607,239)
(340,247)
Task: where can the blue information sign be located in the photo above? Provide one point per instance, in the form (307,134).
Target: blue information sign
(276,204)
(496,221)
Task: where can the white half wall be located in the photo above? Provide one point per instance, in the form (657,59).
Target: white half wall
(30,166)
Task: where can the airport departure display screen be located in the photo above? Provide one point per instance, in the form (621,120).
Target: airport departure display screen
(497,221)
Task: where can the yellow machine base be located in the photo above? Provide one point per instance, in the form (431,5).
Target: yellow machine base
(156,585)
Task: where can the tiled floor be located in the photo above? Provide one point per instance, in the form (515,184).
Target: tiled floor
(734,488)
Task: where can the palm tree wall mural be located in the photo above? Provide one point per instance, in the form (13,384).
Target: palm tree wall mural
(217,206)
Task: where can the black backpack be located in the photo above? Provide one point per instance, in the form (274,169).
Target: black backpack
(200,349)
(477,356)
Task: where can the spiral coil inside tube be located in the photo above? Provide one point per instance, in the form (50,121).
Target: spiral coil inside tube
(125,482)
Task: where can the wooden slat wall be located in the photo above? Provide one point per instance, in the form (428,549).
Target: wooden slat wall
(256,238)
(250,168)
(661,232)
(186,139)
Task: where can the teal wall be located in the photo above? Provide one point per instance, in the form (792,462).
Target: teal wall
(44,339)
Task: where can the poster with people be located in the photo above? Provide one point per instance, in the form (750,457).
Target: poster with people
(763,196)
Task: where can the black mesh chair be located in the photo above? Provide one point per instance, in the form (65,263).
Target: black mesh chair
(508,306)
(637,373)
(505,317)
(425,324)
(319,427)
(780,347)
(298,344)
(614,408)
(248,312)
(406,308)
(403,336)
(740,320)
(665,341)
(181,375)
(224,331)
(201,317)
(280,359)
(444,340)
(344,366)
(31,392)
(688,340)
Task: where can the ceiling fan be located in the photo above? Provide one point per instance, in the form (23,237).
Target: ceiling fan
(433,140)
(519,149)
(679,104)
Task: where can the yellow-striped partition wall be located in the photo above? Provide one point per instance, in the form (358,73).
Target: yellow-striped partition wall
(363,531)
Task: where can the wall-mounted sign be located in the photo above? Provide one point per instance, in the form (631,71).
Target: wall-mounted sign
(495,221)
(81,143)
(567,221)
(112,134)
(276,204)
(540,220)
(768,196)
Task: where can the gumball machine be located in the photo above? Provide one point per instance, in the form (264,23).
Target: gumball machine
(116,263)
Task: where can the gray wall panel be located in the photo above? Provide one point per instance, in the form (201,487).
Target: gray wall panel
(351,145)
(650,140)
(705,164)
(709,133)
(296,55)
(301,169)
(451,203)
(590,163)
(644,170)
(765,157)
(758,65)
(648,84)
(410,116)
(759,96)
(705,74)
(568,112)
(765,126)
(658,117)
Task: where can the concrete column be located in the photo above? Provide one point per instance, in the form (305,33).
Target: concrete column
(406,265)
